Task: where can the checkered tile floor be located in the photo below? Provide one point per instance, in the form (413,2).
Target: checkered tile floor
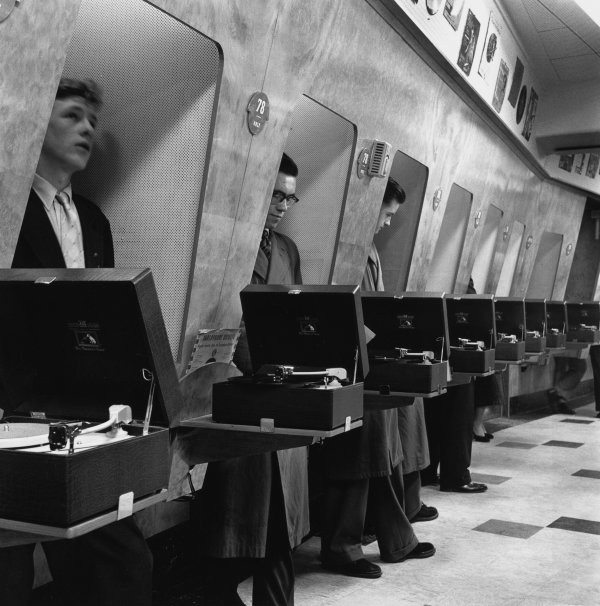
(532,539)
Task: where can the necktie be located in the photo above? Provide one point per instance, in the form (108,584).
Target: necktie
(70,241)
(265,242)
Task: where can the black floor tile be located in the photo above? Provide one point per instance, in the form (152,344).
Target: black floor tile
(576,525)
(508,529)
(488,478)
(562,444)
(580,421)
(587,473)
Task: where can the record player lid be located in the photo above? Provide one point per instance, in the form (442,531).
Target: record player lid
(535,314)
(583,312)
(298,325)
(74,341)
(413,321)
(510,316)
(471,317)
(556,314)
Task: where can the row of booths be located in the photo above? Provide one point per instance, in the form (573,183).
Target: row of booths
(81,341)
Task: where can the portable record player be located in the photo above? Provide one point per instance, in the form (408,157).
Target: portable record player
(510,328)
(409,351)
(72,344)
(535,322)
(472,333)
(556,323)
(292,331)
(583,320)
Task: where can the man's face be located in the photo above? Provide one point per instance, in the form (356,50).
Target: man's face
(69,138)
(388,210)
(286,185)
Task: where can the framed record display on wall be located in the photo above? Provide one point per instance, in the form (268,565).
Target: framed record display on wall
(468,43)
(521,104)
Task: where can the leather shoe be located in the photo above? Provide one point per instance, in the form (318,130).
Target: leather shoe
(362,569)
(471,487)
(483,438)
(422,550)
(489,436)
(425,514)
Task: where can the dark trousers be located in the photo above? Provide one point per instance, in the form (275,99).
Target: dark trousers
(412,493)
(272,576)
(111,566)
(595,360)
(345,507)
(449,421)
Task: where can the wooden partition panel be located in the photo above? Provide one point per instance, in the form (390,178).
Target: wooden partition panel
(490,237)
(511,259)
(543,276)
(451,238)
(33,45)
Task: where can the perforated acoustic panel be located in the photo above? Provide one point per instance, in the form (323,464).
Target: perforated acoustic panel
(321,143)
(159,78)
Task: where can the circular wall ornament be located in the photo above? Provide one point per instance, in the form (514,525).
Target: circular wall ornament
(433,6)
(6,8)
(258,112)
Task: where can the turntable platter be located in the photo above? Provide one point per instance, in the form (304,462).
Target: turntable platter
(21,435)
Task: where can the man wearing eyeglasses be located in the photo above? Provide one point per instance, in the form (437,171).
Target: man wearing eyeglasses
(255,509)
(278,261)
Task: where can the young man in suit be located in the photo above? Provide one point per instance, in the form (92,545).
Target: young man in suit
(61,229)
(112,565)
(254,509)
(364,468)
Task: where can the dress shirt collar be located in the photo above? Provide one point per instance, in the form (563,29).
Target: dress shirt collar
(47,192)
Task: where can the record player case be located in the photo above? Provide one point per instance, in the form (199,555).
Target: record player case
(583,313)
(413,321)
(471,317)
(510,319)
(50,368)
(302,326)
(556,322)
(535,320)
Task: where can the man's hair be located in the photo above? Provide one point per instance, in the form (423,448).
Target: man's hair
(393,191)
(86,89)
(288,166)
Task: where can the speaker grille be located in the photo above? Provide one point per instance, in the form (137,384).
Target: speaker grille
(159,78)
(321,142)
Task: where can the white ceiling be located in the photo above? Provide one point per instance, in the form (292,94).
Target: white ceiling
(560,36)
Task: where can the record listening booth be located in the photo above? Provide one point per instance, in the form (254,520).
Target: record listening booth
(309,359)
(408,351)
(90,386)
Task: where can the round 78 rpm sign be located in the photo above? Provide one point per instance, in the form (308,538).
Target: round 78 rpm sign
(258,112)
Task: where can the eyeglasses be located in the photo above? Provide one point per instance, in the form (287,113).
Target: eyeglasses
(280,197)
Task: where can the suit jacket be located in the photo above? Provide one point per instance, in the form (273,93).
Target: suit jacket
(38,246)
(284,266)
(240,495)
